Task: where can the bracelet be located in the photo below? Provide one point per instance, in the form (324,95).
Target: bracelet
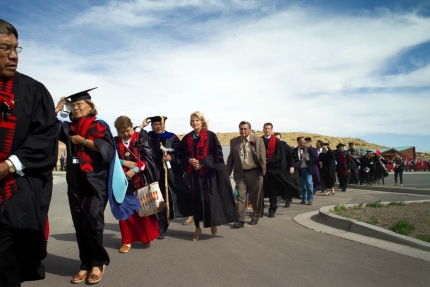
(10,165)
(136,169)
(84,142)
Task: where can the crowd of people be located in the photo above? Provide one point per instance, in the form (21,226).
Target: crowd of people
(190,174)
(412,165)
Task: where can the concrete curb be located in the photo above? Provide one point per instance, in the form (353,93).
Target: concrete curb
(351,225)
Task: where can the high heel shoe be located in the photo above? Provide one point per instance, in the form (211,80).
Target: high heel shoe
(332,191)
(327,193)
(214,230)
(197,234)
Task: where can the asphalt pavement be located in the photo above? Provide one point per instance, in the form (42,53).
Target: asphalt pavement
(276,252)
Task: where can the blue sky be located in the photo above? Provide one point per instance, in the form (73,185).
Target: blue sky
(343,68)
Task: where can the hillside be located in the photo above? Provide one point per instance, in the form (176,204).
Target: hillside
(290,138)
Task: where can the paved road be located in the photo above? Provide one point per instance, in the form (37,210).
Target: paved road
(276,252)
(410,179)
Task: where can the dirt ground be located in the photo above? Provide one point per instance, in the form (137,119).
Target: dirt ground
(416,213)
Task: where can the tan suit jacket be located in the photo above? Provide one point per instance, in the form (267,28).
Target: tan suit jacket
(258,152)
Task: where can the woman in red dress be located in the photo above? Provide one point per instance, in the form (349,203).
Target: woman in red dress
(139,169)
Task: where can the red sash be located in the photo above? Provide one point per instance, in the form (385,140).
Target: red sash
(271,145)
(138,181)
(90,129)
(7,130)
(202,149)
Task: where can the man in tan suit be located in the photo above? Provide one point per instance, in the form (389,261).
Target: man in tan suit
(248,159)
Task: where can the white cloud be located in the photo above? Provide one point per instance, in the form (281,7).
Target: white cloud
(297,69)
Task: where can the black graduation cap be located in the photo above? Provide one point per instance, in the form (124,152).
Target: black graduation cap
(339,144)
(157,119)
(326,144)
(80,96)
(369,151)
(308,139)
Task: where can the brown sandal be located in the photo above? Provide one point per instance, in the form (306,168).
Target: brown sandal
(94,279)
(186,222)
(79,278)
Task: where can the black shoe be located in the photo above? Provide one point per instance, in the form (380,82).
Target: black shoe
(309,202)
(253,222)
(287,204)
(161,235)
(238,224)
(303,202)
(271,214)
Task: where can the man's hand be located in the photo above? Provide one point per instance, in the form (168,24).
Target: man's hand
(167,157)
(291,170)
(4,170)
(145,123)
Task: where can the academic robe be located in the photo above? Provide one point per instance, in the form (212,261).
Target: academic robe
(316,179)
(136,228)
(290,182)
(328,175)
(88,192)
(28,132)
(212,194)
(179,190)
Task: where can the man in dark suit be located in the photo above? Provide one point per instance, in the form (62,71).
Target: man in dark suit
(307,160)
(248,159)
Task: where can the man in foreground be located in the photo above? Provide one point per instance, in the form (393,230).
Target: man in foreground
(248,159)
(28,153)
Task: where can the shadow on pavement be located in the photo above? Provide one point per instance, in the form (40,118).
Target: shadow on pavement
(61,266)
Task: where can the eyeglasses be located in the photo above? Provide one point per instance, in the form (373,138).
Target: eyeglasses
(7,49)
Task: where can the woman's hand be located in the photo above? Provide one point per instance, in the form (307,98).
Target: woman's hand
(129,164)
(76,139)
(193,161)
(130,173)
(60,104)
(198,166)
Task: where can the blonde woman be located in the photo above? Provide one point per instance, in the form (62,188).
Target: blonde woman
(212,194)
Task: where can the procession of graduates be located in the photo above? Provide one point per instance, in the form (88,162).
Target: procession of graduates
(190,174)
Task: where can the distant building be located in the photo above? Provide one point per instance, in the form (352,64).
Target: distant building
(389,152)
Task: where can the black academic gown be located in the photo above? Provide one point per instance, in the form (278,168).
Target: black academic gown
(212,194)
(291,182)
(179,190)
(328,175)
(34,142)
(88,196)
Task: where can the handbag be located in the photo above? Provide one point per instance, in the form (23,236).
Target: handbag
(151,200)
